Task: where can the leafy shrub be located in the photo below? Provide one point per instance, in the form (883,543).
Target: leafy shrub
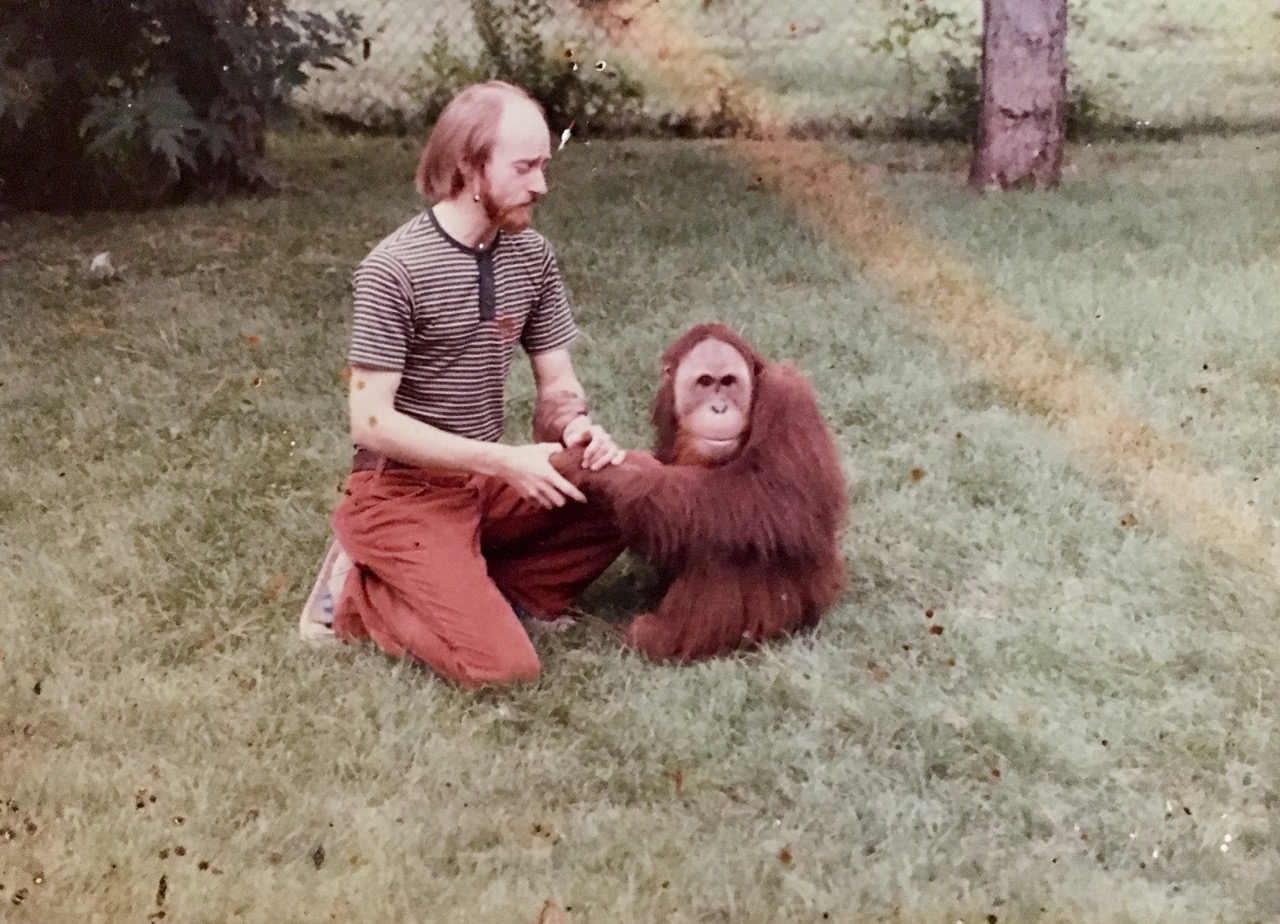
(513,47)
(108,102)
(901,36)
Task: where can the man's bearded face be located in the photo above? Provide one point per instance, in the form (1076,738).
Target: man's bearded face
(512,214)
(514,176)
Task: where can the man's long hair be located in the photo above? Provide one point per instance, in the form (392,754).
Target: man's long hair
(464,135)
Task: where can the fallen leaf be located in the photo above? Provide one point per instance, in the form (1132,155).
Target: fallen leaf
(275,584)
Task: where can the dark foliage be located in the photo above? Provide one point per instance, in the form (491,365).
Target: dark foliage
(139,102)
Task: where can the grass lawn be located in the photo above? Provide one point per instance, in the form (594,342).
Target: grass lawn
(1092,737)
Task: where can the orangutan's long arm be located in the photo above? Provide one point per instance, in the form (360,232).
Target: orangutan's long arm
(651,504)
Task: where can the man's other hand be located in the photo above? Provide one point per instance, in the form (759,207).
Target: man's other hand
(600,449)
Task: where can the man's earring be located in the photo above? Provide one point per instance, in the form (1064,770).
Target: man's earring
(475,197)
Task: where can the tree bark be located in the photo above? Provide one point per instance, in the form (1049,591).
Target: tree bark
(1022,122)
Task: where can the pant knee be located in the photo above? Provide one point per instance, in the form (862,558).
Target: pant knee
(518,667)
(522,670)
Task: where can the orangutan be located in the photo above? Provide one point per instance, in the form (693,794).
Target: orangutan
(740,506)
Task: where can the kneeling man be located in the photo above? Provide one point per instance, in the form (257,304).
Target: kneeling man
(451,532)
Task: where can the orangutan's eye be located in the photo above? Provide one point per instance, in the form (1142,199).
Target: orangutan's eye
(729,381)
(705,380)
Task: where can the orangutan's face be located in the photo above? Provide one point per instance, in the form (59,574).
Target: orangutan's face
(712,385)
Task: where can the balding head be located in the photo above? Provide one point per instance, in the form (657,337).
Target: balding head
(466,133)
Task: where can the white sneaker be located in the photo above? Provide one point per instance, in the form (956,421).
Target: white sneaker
(316,622)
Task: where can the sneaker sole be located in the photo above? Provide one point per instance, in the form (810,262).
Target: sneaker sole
(316,622)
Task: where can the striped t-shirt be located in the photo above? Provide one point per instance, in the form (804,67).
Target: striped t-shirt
(418,312)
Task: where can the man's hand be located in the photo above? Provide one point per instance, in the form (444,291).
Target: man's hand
(600,449)
(529,471)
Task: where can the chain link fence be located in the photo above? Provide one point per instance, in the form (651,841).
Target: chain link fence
(873,66)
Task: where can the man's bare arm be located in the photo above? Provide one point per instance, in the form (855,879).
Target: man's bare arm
(377,425)
(562,406)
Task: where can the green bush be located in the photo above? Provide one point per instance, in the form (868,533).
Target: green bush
(112,103)
(594,96)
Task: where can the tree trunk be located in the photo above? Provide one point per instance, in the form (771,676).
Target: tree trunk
(1022,123)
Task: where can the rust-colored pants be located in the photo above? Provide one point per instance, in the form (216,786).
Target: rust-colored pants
(438,556)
